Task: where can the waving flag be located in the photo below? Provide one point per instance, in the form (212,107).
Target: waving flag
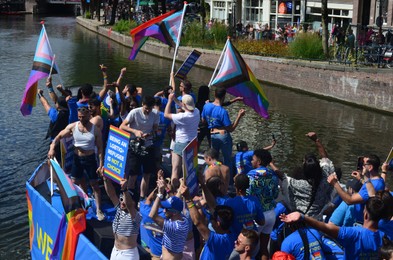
(164,28)
(238,79)
(73,221)
(43,60)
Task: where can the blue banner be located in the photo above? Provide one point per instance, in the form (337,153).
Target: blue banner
(116,154)
(190,166)
(188,64)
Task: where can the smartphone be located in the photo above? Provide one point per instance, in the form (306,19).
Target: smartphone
(360,163)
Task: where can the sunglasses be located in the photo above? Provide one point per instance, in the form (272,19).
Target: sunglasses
(83,109)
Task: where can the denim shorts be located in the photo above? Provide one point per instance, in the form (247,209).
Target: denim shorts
(84,165)
(179,147)
(137,163)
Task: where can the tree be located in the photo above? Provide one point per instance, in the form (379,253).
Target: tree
(325,32)
(114,11)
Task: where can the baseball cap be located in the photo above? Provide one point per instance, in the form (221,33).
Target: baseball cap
(354,184)
(173,203)
(188,102)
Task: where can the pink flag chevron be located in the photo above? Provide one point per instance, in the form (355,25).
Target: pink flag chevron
(42,63)
(237,78)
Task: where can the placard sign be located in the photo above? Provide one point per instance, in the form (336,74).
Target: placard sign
(190,166)
(116,154)
(188,64)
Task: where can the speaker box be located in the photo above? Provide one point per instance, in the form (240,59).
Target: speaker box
(100,233)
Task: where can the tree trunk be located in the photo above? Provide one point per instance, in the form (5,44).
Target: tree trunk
(114,12)
(325,32)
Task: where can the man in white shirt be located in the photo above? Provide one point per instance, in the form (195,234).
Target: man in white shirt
(186,130)
(141,122)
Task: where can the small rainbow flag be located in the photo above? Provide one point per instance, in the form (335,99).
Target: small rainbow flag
(238,79)
(43,60)
(164,28)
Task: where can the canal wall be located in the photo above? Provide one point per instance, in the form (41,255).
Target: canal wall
(367,87)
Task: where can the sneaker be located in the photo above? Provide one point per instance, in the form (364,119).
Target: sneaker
(100,215)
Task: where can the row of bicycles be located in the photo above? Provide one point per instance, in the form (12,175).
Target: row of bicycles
(369,55)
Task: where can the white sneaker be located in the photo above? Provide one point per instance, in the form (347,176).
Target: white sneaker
(100,215)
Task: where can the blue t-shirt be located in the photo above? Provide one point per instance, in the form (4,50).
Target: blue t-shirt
(215,116)
(293,244)
(264,185)
(162,127)
(379,184)
(150,239)
(360,242)
(218,246)
(331,250)
(386,226)
(243,161)
(73,107)
(278,225)
(246,209)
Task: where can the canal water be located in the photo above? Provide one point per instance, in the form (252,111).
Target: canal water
(346,131)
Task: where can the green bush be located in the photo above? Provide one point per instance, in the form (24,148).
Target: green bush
(124,26)
(195,35)
(306,46)
(265,48)
(87,15)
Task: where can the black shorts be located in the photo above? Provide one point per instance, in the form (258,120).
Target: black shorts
(84,164)
(137,163)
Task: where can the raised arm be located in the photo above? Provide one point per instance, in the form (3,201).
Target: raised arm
(327,228)
(122,72)
(110,190)
(232,127)
(105,88)
(52,93)
(167,111)
(197,218)
(100,150)
(154,210)
(349,199)
(321,149)
(43,100)
(385,168)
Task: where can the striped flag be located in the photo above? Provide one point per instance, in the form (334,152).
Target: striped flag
(237,78)
(43,60)
(164,28)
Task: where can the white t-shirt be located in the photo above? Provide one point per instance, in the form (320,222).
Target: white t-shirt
(186,125)
(138,120)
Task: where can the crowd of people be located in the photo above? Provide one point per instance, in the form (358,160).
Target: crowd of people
(245,207)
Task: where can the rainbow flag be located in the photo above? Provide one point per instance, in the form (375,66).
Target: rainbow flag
(42,64)
(73,221)
(238,79)
(164,28)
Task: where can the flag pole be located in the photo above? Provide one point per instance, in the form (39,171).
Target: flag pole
(178,39)
(54,56)
(219,61)
(51,67)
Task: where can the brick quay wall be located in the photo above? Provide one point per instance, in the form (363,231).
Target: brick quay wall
(366,87)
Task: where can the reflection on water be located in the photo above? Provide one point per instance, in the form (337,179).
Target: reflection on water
(346,132)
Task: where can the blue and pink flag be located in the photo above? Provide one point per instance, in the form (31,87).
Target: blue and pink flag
(164,28)
(237,78)
(42,64)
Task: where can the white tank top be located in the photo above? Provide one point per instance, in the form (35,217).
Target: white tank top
(84,141)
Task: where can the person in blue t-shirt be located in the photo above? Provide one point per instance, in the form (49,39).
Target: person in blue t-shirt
(151,237)
(247,209)
(303,243)
(369,170)
(243,156)
(220,125)
(264,185)
(219,243)
(360,242)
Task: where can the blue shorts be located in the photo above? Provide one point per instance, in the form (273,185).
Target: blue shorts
(84,165)
(179,147)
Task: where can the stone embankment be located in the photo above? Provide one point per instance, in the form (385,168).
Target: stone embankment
(367,87)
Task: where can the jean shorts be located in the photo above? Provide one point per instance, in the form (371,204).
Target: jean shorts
(179,147)
(84,165)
